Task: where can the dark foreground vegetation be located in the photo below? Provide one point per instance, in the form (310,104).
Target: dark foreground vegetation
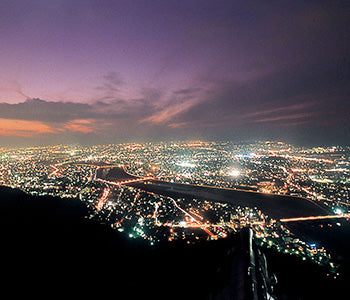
(50,248)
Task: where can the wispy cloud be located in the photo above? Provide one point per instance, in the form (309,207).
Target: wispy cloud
(10,85)
(177,103)
(284,109)
(111,84)
(285,117)
(165,115)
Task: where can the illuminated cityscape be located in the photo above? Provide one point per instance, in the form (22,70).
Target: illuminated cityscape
(115,182)
(175,149)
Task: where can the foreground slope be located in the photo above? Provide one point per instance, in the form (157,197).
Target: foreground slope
(50,248)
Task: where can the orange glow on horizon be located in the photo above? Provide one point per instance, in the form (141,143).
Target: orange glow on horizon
(25,128)
(13,127)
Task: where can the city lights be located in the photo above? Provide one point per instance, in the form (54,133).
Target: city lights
(185,164)
(233,173)
(105,178)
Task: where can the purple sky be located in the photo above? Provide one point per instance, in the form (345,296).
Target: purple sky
(115,71)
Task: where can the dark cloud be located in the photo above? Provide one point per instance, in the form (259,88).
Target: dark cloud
(45,111)
(61,112)
(188,91)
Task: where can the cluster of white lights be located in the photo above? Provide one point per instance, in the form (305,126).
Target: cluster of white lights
(233,173)
(185,164)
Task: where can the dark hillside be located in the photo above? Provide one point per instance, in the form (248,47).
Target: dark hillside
(49,246)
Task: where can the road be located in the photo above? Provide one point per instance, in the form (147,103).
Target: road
(193,219)
(311,218)
(103,199)
(119,183)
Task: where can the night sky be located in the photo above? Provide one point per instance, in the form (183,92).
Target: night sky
(126,71)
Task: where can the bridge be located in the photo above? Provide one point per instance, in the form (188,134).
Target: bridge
(311,218)
(119,183)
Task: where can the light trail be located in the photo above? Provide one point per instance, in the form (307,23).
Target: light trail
(194,220)
(56,170)
(155,213)
(103,199)
(119,183)
(202,226)
(347,216)
(302,158)
(290,183)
